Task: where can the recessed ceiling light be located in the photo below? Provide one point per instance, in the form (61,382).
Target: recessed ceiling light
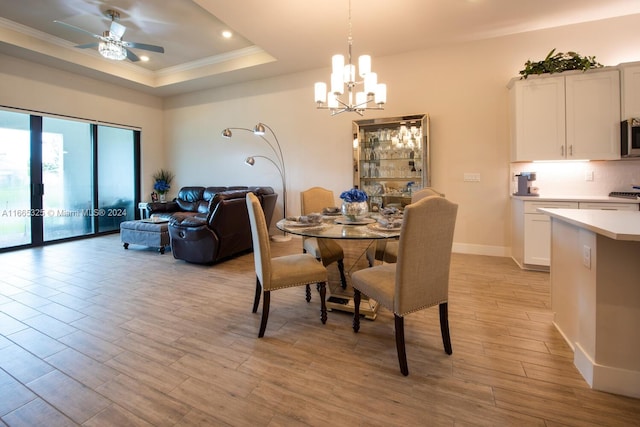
(227,34)
(144,58)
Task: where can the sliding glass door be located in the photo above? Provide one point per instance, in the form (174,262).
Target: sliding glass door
(67,153)
(15,183)
(116,177)
(62,178)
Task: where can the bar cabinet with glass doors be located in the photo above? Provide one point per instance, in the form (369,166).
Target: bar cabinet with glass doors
(391,159)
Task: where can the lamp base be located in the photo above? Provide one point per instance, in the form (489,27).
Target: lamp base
(281,237)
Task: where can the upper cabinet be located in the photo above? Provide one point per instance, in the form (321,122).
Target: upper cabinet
(573,116)
(630,83)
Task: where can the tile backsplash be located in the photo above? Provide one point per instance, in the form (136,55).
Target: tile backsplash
(572,178)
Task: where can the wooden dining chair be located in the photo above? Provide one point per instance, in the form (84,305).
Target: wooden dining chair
(279,272)
(314,200)
(420,277)
(387,250)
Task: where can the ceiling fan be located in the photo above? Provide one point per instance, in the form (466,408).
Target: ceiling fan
(111,45)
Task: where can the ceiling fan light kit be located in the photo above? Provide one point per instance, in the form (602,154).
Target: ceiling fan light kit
(110,49)
(111,45)
(345,75)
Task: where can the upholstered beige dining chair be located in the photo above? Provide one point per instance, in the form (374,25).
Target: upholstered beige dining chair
(280,272)
(420,277)
(387,250)
(314,200)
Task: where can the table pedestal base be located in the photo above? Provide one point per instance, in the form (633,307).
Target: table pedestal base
(368,307)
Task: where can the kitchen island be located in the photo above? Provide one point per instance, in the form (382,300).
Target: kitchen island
(595,294)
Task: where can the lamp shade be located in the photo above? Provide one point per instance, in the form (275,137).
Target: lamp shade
(370,83)
(259,129)
(349,73)
(337,83)
(381,94)
(321,92)
(364,65)
(337,63)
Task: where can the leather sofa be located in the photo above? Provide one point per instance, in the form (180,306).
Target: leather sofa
(210,224)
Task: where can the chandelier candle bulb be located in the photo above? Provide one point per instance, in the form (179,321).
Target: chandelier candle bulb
(321,92)
(370,83)
(337,84)
(381,94)
(364,65)
(337,62)
(349,73)
(332,101)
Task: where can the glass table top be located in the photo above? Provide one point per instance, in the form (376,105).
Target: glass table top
(339,228)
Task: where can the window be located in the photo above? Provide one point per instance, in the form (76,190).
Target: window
(64,178)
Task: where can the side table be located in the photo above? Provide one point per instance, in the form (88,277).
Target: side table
(142,207)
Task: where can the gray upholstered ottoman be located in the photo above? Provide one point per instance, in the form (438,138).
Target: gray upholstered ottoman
(145,232)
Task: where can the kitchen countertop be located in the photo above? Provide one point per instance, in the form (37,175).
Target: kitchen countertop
(617,225)
(599,199)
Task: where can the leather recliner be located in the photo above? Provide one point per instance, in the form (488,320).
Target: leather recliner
(212,224)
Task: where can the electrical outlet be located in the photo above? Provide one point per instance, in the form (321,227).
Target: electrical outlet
(588,176)
(586,256)
(471,177)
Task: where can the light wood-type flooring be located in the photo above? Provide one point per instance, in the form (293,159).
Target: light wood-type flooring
(95,335)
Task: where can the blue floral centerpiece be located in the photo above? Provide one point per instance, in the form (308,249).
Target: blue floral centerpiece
(354,204)
(162,182)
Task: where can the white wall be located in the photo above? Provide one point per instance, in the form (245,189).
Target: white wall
(38,88)
(462,87)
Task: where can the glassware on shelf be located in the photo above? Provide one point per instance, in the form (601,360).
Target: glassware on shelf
(390,154)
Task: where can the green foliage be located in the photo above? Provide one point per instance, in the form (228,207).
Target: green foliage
(559,62)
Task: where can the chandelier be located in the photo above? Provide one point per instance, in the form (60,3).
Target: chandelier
(112,48)
(373,95)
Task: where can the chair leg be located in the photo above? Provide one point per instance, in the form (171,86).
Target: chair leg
(444,327)
(343,279)
(265,313)
(308,293)
(323,303)
(256,299)
(356,310)
(402,353)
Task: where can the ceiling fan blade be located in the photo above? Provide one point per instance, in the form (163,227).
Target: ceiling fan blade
(85,46)
(117,29)
(143,46)
(132,56)
(78,29)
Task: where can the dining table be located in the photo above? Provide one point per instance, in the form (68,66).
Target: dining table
(339,227)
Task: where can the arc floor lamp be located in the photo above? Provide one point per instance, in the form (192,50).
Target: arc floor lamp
(260,130)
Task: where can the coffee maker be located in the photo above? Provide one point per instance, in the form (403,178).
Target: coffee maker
(525,188)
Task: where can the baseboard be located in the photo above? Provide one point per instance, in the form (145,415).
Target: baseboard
(471,249)
(607,378)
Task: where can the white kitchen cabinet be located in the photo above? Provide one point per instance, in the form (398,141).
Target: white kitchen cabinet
(630,90)
(566,117)
(531,229)
(537,231)
(537,118)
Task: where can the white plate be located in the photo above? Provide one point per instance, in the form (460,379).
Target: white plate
(363,221)
(379,227)
(294,224)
